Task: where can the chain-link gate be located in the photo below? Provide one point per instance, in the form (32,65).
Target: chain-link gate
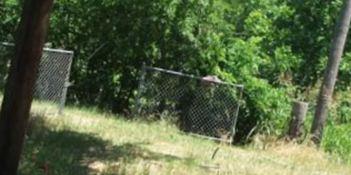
(52,81)
(200,106)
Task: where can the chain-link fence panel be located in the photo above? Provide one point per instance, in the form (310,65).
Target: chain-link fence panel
(204,107)
(53,77)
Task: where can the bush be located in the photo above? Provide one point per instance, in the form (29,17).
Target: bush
(337,140)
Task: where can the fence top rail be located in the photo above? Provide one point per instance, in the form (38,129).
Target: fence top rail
(240,86)
(45,49)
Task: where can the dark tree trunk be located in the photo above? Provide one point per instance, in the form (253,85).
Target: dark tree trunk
(331,72)
(22,76)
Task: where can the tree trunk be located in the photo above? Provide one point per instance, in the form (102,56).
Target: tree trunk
(17,100)
(298,114)
(331,72)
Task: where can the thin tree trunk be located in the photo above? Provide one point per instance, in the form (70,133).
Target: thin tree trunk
(17,100)
(331,72)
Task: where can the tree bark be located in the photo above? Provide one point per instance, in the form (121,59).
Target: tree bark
(297,118)
(18,94)
(330,76)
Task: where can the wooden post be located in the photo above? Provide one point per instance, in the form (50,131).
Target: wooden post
(298,114)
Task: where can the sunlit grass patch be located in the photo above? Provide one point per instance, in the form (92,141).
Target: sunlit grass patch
(337,140)
(89,142)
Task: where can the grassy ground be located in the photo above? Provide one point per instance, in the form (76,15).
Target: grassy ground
(87,142)
(337,140)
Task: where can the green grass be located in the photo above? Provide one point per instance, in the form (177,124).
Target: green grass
(337,140)
(89,142)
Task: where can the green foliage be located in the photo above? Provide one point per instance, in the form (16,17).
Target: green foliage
(343,83)
(276,48)
(340,111)
(311,27)
(177,35)
(337,140)
(9,18)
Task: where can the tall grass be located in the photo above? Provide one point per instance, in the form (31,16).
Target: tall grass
(337,140)
(89,142)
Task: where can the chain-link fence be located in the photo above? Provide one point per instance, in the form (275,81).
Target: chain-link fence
(52,81)
(202,106)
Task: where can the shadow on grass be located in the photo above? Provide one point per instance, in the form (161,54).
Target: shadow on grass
(68,152)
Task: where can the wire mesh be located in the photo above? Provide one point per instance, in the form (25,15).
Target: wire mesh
(198,106)
(52,80)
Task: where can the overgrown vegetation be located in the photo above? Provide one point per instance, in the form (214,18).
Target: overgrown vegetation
(276,48)
(88,142)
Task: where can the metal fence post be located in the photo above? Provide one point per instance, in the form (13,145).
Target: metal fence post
(63,98)
(241,90)
(140,90)
(52,80)
(65,87)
